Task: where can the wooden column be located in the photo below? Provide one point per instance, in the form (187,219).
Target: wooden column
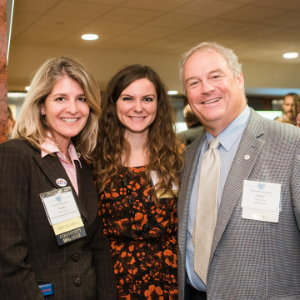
(3,71)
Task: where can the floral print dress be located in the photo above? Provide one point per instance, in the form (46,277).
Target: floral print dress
(145,263)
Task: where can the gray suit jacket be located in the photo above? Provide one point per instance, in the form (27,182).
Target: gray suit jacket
(29,254)
(251,259)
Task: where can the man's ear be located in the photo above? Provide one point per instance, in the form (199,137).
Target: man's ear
(240,81)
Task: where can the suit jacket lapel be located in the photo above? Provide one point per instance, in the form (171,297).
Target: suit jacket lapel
(187,179)
(53,169)
(240,170)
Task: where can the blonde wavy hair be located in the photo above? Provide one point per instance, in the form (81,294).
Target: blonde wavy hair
(33,127)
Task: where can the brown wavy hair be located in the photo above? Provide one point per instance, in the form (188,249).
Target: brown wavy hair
(165,152)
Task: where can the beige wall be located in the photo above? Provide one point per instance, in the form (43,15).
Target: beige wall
(257,74)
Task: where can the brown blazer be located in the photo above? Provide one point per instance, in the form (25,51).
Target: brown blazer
(29,253)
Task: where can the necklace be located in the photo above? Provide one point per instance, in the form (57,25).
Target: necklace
(146,226)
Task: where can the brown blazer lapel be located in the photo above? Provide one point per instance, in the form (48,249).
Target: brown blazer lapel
(239,171)
(53,169)
(85,184)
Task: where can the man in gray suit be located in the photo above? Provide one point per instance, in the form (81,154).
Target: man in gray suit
(254,251)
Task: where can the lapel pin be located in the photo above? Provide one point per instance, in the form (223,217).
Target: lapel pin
(247,157)
(61,182)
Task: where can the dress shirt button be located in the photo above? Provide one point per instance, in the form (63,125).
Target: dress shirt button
(75,257)
(78,282)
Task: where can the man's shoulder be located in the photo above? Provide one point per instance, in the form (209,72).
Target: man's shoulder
(260,125)
(285,130)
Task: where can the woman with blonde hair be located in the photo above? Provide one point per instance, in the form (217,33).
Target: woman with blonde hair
(137,165)
(50,231)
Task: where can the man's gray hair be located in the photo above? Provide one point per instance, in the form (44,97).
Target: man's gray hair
(228,54)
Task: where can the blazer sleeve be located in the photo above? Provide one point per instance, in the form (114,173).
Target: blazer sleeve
(106,280)
(295,184)
(17,279)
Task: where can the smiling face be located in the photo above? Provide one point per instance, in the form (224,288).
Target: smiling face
(215,95)
(66,110)
(137,106)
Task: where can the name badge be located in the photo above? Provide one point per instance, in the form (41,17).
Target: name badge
(261,201)
(154,178)
(63,215)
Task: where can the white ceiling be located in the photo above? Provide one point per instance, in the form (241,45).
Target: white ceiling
(155,32)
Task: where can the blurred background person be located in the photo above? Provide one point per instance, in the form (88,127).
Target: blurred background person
(58,119)
(137,165)
(10,123)
(297,110)
(195,128)
(287,106)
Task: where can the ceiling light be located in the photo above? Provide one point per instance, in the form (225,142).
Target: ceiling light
(290,55)
(27,88)
(172,92)
(16,95)
(89,37)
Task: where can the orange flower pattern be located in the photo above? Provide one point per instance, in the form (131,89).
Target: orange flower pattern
(145,265)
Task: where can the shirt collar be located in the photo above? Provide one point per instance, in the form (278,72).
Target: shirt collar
(50,146)
(228,136)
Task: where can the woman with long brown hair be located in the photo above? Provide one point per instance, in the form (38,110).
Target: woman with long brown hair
(137,165)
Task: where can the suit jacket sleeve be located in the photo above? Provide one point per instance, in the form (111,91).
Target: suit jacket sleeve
(14,209)
(295,184)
